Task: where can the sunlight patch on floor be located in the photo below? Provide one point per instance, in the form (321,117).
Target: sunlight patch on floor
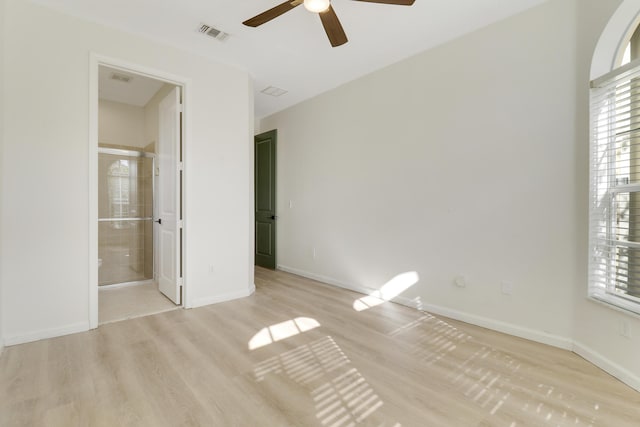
(388,291)
(281,331)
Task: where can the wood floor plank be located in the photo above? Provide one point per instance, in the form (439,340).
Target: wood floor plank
(297,353)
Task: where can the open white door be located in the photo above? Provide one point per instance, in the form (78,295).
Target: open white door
(168,220)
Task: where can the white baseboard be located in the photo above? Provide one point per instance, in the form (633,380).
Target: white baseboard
(199,302)
(588,354)
(504,327)
(485,322)
(84,326)
(326,279)
(607,365)
(46,333)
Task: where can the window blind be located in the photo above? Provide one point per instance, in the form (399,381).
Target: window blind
(614,220)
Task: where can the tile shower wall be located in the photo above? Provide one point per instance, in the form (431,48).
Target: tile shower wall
(125,191)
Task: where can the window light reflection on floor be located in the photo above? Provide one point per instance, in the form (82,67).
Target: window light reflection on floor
(340,394)
(388,291)
(490,378)
(281,331)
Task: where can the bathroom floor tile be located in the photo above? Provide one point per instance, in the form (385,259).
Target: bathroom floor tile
(132,301)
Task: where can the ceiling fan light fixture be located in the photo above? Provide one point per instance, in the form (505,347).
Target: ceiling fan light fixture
(317,6)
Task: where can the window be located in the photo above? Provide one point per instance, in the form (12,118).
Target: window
(119,183)
(626,56)
(614,236)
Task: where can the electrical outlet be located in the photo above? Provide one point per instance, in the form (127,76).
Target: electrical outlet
(507,288)
(290,204)
(625,329)
(314,253)
(460,281)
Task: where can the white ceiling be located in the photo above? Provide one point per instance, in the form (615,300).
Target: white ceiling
(292,51)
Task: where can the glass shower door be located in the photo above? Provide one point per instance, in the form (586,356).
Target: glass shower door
(125,216)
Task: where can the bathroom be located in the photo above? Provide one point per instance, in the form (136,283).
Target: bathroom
(129,127)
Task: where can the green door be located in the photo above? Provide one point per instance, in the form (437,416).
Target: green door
(265,199)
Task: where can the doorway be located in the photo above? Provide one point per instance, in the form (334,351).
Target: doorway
(139,195)
(265,199)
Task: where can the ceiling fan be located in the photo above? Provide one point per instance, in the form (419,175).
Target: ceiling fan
(323,8)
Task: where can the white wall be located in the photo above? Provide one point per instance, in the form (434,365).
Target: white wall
(2,100)
(470,159)
(45,262)
(121,124)
(130,125)
(151,115)
(447,164)
(596,327)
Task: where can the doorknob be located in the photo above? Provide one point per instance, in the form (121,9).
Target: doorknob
(274,217)
(159,221)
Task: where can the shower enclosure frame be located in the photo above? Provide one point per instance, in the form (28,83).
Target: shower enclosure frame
(139,154)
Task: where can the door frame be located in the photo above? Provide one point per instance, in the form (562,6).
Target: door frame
(95,61)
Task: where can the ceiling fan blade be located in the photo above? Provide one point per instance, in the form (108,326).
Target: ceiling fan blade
(333,27)
(272,13)
(398,2)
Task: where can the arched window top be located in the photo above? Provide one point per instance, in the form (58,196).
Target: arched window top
(611,47)
(119,168)
(631,51)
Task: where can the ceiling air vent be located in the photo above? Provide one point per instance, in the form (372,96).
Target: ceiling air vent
(273,91)
(120,78)
(212,32)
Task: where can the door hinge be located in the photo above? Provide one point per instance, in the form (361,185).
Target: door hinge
(181,166)
(180,109)
(181,224)
(180,281)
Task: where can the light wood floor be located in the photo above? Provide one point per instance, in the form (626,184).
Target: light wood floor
(116,304)
(315,362)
